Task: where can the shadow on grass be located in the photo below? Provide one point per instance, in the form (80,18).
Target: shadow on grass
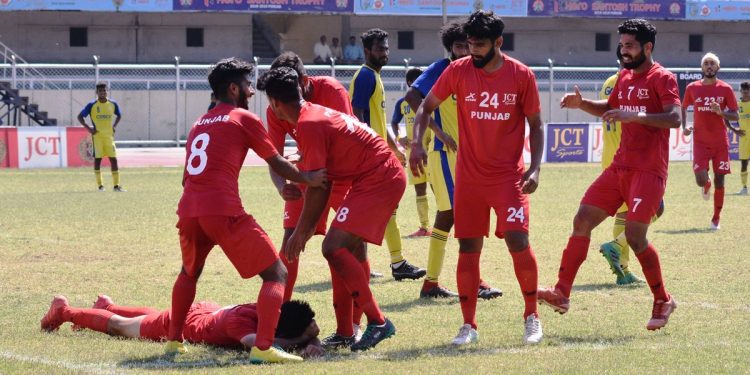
(213,357)
(686,231)
(594,287)
(312,288)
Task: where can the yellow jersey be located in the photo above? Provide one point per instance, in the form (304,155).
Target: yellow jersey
(367,93)
(404,112)
(446,115)
(611,130)
(744,113)
(102,116)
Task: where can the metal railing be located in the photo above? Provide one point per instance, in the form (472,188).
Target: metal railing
(160,101)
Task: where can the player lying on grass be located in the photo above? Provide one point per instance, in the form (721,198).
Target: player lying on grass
(233,326)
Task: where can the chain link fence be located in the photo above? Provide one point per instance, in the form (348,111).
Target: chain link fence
(159,102)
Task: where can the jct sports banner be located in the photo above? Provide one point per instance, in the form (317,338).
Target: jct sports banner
(435,7)
(654,9)
(313,6)
(89,5)
(725,10)
(567,142)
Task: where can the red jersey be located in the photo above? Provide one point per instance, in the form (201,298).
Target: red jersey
(709,127)
(209,323)
(216,148)
(326,91)
(644,148)
(347,148)
(492,112)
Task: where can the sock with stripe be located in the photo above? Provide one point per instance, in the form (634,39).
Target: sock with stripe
(393,239)
(618,233)
(572,258)
(527,274)
(116,178)
(467,280)
(436,254)
(270,298)
(98,175)
(350,271)
(743,176)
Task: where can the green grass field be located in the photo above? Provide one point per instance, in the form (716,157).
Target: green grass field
(57,235)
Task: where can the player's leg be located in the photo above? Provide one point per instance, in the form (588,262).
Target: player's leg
(104,302)
(195,246)
(400,267)
(613,250)
(722,166)
(441,167)
(743,176)
(98,173)
(701,160)
(94,319)
(110,151)
(115,175)
(292,268)
(423,207)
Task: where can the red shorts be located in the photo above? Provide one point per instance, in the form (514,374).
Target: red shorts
(155,326)
(293,209)
(472,204)
(641,191)
(717,154)
(243,241)
(370,203)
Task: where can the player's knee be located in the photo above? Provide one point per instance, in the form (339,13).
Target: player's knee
(516,241)
(636,239)
(276,272)
(582,225)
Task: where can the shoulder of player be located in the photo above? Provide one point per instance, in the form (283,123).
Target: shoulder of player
(244,117)
(326,82)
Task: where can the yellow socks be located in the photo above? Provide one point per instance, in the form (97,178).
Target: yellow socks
(393,239)
(423,207)
(743,175)
(98,174)
(116,178)
(436,256)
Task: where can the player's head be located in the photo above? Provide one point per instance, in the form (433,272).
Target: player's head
(101,91)
(710,65)
(453,37)
(375,45)
(297,319)
(637,40)
(484,34)
(291,60)
(745,90)
(230,81)
(282,88)
(412,75)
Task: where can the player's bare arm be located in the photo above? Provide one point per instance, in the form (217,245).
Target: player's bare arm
(316,200)
(394,147)
(574,100)
(734,130)
(82,121)
(418,157)
(288,171)
(536,143)
(727,115)
(117,121)
(683,120)
(670,118)
(287,191)
(414,98)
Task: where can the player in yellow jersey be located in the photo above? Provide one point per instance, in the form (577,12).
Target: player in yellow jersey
(368,103)
(403,111)
(105,115)
(617,251)
(744,112)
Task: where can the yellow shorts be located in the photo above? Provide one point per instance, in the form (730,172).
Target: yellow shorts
(104,146)
(415,180)
(441,167)
(745,147)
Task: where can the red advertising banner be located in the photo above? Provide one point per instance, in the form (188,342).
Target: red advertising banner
(79,147)
(8,147)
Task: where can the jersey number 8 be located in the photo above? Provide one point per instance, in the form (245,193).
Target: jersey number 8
(198,152)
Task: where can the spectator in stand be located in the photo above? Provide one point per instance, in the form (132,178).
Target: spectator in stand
(336,51)
(322,51)
(352,53)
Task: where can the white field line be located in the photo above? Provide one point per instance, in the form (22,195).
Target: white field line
(91,368)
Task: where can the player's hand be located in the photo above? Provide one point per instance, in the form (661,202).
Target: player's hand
(294,246)
(313,351)
(317,178)
(740,132)
(293,158)
(716,108)
(447,140)
(114,129)
(530,181)
(619,115)
(91,130)
(404,142)
(572,100)
(687,131)
(290,192)
(417,159)
(400,156)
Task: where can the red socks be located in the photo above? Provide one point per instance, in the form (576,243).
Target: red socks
(467,280)
(350,271)
(270,298)
(649,259)
(183,295)
(342,304)
(292,269)
(357,314)
(94,319)
(572,258)
(524,263)
(129,311)
(718,203)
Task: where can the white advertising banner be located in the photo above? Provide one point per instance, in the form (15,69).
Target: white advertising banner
(42,147)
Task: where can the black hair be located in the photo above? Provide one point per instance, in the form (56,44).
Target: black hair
(370,36)
(643,30)
(484,24)
(453,32)
(226,72)
(281,83)
(290,60)
(745,85)
(101,85)
(412,74)
(294,319)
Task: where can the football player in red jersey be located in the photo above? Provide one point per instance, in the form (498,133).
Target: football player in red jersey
(232,326)
(496,95)
(714,104)
(350,151)
(646,100)
(210,211)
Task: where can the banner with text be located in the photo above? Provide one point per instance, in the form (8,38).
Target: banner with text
(511,8)
(89,5)
(653,9)
(715,10)
(567,142)
(307,6)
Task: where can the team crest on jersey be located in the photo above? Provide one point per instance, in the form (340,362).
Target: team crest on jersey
(471,97)
(643,94)
(509,99)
